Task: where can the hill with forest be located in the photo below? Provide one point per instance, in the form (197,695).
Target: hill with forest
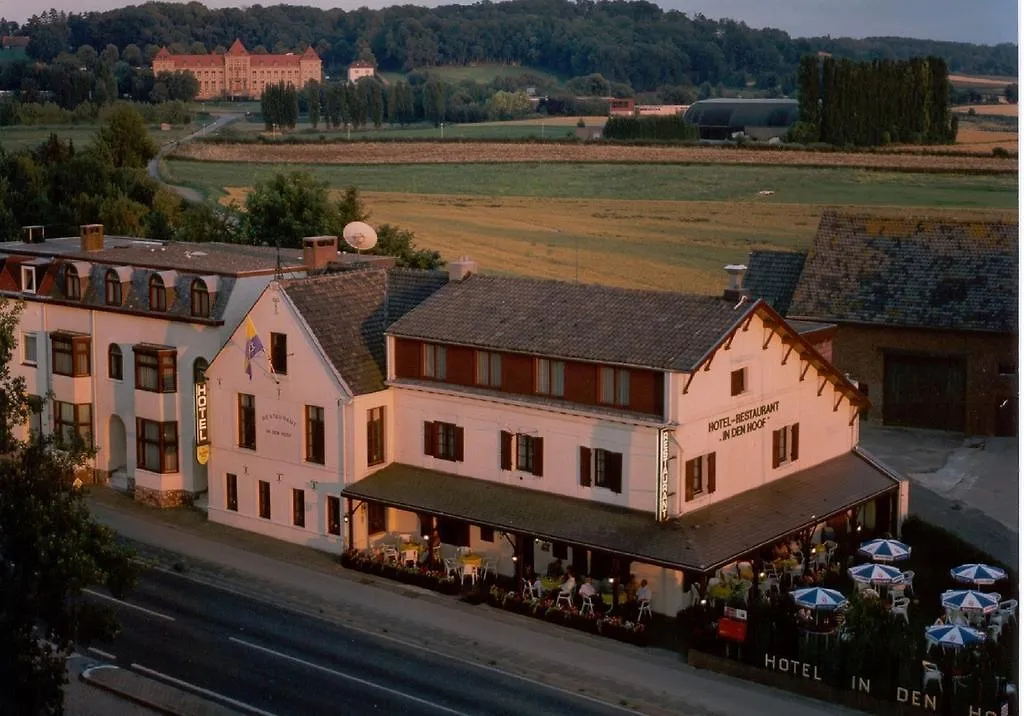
(635,43)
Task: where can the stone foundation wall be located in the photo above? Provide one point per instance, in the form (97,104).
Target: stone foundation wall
(162,500)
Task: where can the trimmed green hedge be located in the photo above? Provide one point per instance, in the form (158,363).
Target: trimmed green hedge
(669,127)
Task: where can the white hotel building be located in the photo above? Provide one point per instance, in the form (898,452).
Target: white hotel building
(623,431)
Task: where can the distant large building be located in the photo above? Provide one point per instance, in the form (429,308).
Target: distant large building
(240,74)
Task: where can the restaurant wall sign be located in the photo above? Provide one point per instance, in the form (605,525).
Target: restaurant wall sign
(202,407)
(743,422)
(663,438)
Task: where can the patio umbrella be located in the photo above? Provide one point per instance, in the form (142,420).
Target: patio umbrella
(885,550)
(970,600)
(819,598)
(977,573)
(953,635)
(875,574)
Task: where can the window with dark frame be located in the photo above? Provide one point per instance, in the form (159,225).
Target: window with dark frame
(156,369)
(700,476)
(486,534)
(72,284)
(435,362)
(279,353)
(298,507)
(72,422)
(738,379)
(264,499)
(785,445)
(200,302)
(550,378)
(614,386)
(156,445)
(375,436)
(444,441)
(231,492)
(112,290)
(70,354)
(488,369)
(29,348)
(376,518)
(157,294)
(315,433)
(247,421)
(115,362)
(333,515)
(607,469)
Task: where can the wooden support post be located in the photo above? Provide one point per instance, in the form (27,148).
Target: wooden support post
(688,381)
(517,551)
(839,399)
(786,356)
(728,341)
(746,324)
(350,514)
(807,366)
(824,382)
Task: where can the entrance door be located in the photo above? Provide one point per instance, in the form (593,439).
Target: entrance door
(925,391)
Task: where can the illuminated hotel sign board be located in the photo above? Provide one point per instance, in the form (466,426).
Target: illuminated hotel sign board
(202,423)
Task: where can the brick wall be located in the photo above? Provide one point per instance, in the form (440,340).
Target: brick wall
(858,350)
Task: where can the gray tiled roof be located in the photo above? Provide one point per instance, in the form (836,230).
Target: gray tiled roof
(654,329)
(945,273)
(700,540)
(772,275)
(348,312)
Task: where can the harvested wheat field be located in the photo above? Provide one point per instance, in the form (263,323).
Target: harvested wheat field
(670,245)
(487,152)
(972,140)
(590,121)
(995,110)
(977,81)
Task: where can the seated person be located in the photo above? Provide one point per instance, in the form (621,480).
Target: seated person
(644,593)
(588,589)
(568,585)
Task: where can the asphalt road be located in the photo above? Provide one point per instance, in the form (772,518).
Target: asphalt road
(282,663)
(153,167)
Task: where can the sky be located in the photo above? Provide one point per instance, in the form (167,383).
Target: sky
(980,21)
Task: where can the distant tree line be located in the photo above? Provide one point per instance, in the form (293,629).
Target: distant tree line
(874,103)
(668,128)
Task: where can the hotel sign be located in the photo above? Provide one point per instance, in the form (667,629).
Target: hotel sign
(743,422)
(202,397)
(663,436)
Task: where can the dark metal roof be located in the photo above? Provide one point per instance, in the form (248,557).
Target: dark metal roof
(701,540)
(772,275)
(910,271)
(736,112)
(652,329)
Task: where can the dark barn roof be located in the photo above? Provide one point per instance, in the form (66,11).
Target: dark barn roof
(722,112)
(773,275)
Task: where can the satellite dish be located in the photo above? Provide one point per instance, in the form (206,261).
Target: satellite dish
(360,236)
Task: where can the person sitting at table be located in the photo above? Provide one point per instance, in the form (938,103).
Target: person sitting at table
(568,585)
(644,593)
(587,589)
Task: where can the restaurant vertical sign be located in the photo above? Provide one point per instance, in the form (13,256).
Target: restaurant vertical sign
(202,423)
(663,437)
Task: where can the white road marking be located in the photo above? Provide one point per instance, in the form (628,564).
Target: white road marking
(385,689)
(200,690)
(126,604)
(101,653)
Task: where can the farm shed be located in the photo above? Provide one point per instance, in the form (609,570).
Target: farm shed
(926,313)
(757,118)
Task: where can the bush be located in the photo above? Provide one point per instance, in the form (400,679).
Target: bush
(665,128)
(1001,152)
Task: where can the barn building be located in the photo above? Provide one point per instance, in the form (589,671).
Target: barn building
(760,119)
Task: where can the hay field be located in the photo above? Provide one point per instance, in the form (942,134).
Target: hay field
(670,245)
(409,153)
(980,81)
(1003,109)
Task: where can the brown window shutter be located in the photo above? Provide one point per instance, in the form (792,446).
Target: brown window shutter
(506,450)
(585,464)
(776,441)
(460,444)
(794,450)
(538,457)
(711,473)
(428,438)
(690,468)
(615,471)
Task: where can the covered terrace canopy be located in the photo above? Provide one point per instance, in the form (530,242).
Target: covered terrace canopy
(701,541)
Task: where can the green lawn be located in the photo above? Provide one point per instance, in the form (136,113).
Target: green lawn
(488,130)
(482,73)
(19,136)
(670,182)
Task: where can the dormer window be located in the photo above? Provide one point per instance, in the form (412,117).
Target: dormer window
(200,299)
(72,284)
(157,294)
(112,288)
(28,279)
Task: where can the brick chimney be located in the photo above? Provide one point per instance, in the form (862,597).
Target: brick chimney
(92,237)
(735,291)
(462,267)
(318,251)
(35,234)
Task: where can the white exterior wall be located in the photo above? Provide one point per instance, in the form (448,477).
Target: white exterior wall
(745,461)
(563,434)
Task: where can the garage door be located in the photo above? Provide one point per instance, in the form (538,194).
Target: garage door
(925,392)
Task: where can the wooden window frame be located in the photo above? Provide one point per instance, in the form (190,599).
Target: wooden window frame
(738,382)
(608,470)
(487,369)
(279,353)
(72,284)
(246,421)
(167,439)
(199,299)
(333,515)
(164,362)
(444,441)
(316,434)
(113,291)
(435,362)
(115,362)
(76,349)
(157,294)
(549,377)
(32,285)
(231,492)
(785,445)
(79,424)
(619,386)
(263,499)
(375,433)
(529,454)
(298,507)
(700,476)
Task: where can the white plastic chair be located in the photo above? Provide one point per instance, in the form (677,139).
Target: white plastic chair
(1009,609)
(908,579)
(528,592)
(390,553)
(995,630)
(564,596)
(451,568)
(931,673)
(486,566)
(645,608)
(899,608)
(588,605)
(472,571)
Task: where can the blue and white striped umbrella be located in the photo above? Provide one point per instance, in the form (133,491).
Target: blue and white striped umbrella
(819,598)
(953,635)
(977,573)
(967,600)
(885,550)
(875,574)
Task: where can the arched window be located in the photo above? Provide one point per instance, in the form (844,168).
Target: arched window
(157,294)
(112,288)
(72,283)
(199,370)
(115,362)
(200,299)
